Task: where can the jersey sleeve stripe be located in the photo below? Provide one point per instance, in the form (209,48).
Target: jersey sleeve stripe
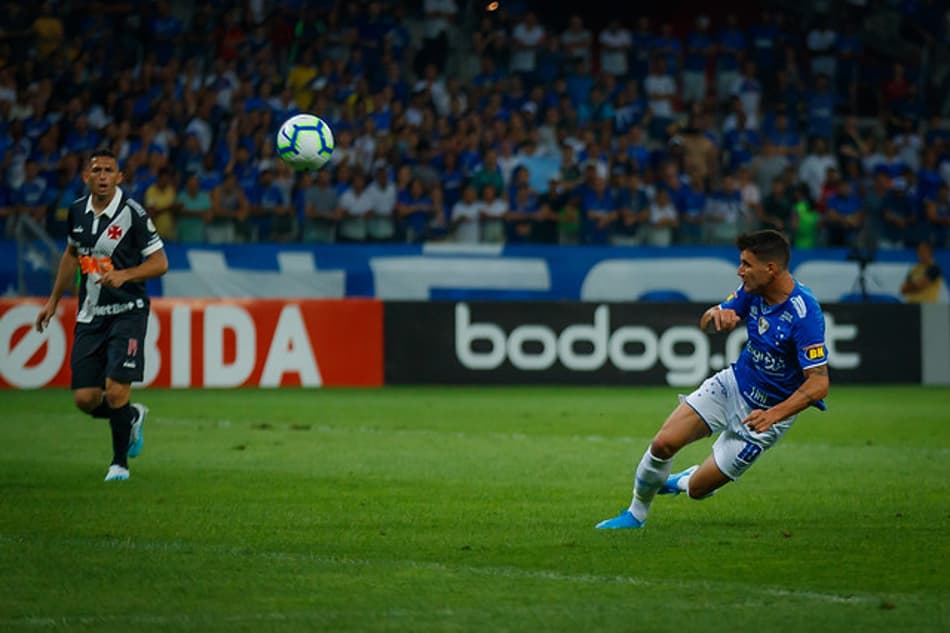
(155,246)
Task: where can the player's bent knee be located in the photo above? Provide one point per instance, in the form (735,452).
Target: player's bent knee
(87,399)
(117,395)
(697,493)
(663,446)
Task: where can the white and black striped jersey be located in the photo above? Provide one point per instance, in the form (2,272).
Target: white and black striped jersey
(122,236)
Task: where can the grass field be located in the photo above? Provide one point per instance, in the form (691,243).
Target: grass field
(466,509)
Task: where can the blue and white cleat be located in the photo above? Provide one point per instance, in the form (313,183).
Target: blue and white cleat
(117,473)
(671,487)
(625,520)
(136,438)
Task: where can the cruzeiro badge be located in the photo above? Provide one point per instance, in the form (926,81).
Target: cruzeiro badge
(763,325)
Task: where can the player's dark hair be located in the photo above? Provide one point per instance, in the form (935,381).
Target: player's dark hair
(768,245)
(102,152)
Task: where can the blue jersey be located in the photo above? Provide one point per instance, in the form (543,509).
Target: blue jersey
(784,340)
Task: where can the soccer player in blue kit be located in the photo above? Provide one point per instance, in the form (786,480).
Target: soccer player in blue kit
(782,371)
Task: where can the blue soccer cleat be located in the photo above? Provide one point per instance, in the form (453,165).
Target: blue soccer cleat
(117,473)
(136,438)
(625,520)
(671,487)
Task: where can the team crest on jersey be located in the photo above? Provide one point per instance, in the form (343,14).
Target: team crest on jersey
(114,232)
(763,325)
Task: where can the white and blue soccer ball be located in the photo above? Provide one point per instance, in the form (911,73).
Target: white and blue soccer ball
(305,142)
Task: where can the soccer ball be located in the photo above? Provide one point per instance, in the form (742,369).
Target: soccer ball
(305,142)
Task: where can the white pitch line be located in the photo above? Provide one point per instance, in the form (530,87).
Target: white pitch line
(500,572)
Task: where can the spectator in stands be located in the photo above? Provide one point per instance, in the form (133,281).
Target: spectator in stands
(615,46)
(731,45)
(660,88)
(464,217)
(937,217)
(766,39)
(814,167)
(193,209)
(779,132)
(439,18)
(874,202)
(670,48)
(806,221)
(489,173)
(751,196)
(527,39)
(321,208)
(898,215)
(777,209)
(723,218)
(67,187)
(820,108)
(49,31)
(521,215)
(415,211)
(549,214)
(767,166)
(844,216)
(379,220)
(692,214)
(923,281)
(598,212)
(355,204)
(576,42)
(749,92)
(491,215)
(662,219)
(822,48)
(229,212)
(699,51)
(160,199)
(31,198)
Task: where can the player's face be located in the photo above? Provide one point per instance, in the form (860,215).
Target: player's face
(756,275)
(102,176)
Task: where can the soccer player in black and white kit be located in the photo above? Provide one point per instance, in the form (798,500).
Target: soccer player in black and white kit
(113,243)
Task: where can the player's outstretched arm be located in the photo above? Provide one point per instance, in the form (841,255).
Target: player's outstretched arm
(155,265)
(65,275)
(812,390)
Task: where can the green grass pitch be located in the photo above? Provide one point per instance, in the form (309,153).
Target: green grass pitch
(459,509)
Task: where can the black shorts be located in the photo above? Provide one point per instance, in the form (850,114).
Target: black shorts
(109,347)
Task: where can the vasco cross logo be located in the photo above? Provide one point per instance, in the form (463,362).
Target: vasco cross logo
(114,232)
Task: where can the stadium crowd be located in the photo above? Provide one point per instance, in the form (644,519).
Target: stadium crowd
(476,125)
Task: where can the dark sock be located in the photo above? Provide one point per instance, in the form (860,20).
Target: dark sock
(121,422)
(103,411)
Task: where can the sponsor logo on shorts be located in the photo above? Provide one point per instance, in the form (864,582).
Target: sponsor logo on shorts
(113,308)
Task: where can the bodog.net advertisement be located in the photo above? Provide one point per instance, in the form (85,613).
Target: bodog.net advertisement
(621,344)
(226,343)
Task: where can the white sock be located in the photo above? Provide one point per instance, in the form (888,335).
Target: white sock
(683,483)
(651,474)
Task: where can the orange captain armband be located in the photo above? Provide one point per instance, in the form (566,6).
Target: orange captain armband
(98,265)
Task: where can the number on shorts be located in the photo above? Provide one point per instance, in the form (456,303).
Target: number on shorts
(749,452)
